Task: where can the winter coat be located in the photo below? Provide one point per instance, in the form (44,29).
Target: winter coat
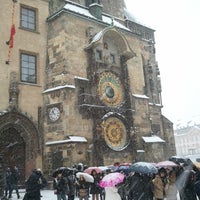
(15,177)
(60,185)
(197,183)
(189,190)
(72,184)
(8,178)
(140,187)
(135,186)
(94,188)
(83,188)
(111,193)
(33,185)
(158,187)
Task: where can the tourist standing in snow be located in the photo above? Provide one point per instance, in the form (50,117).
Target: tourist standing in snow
(34,184)
(8,186)
(95,190)
(83,188)
(159,184)
(15,179)
(60,186)
(72,185)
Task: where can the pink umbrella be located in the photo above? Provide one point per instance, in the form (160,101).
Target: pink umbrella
(90,169)
(112,179)
(166,163)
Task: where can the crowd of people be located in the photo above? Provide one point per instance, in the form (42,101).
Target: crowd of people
(182,179)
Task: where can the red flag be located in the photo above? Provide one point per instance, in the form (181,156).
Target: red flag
(12,33)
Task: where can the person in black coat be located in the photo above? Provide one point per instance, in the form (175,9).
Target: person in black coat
(8,186)
(72,185)
(60,185)
(197,181)
(135,186)
(189,190)
(139,187)
(35,182)
(185,183)
(15,179)
(95,189)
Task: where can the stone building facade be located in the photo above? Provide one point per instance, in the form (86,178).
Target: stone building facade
(82,85)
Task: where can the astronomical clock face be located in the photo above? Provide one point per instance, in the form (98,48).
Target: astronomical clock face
(114,132)
(110,89)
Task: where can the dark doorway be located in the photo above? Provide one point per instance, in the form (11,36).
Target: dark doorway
(12,150)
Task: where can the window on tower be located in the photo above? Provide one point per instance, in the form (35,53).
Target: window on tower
(98,55)
(28,63)
(112,58)
(28,18)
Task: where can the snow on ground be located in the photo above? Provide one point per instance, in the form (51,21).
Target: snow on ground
(46,195)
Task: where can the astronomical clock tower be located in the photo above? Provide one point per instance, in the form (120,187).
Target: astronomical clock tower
(103,94)
(111,109)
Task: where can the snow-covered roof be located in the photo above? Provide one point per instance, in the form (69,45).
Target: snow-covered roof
(142,96)
(71,139)
(129,16)
(78,9)
(152,139)
(59,88)
(85,12)
(181,124)
(155,104)
(81,78)
(140,151)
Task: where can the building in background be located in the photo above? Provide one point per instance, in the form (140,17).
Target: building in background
(187,140)
(79,83)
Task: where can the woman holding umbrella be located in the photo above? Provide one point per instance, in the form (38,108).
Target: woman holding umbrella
(109,182)
(159,184)
(83,186)
(60,186)
(95,190)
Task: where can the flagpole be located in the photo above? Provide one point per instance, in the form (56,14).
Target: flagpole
(12,32)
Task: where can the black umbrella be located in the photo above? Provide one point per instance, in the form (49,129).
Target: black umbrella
(144,168)
(65,171)
(125,169)
(180,160)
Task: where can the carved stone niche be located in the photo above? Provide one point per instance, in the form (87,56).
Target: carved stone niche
(13,90)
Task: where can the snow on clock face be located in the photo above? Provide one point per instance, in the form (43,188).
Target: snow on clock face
(110,89)
(114,133)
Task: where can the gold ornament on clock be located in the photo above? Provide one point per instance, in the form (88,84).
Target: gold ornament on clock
(114,133)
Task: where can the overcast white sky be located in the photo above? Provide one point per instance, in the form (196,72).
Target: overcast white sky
(177,38)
